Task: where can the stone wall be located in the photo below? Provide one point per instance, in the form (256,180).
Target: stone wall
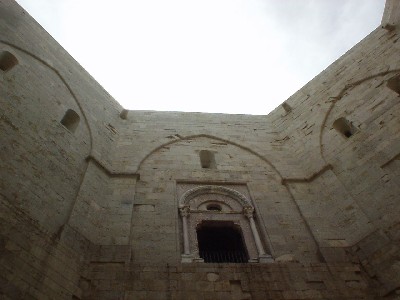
(34,263)
(92,212)
(118,280)
(42,162)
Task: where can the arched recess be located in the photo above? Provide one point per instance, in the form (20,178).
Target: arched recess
(176,164)
(370,106)
(328,119)
(35,111)
(238,211)
(42,61)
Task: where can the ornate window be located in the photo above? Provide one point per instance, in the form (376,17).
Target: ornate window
(218,226)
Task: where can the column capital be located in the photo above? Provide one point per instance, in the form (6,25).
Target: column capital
(184,211)
(248,211)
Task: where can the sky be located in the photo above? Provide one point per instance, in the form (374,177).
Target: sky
(219,56)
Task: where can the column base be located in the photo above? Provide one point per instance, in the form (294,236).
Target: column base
(198,259)
(265,259)
(187,258)
(190,258)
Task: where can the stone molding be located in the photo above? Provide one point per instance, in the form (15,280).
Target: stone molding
(213,189)
(241,214)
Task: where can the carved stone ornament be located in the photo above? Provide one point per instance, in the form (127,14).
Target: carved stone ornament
(236,209)
(248,211)
(184,211)
(213,189)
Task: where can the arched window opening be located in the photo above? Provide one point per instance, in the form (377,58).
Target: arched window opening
(214,207)
(345,127)
(227,232)
(7,61)
(70,120)
(207,159)
(394,84)
(221,242)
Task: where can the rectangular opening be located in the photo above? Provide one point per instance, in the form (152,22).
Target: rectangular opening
(221,242)
(207,159)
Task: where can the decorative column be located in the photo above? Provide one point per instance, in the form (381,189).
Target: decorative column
(186,256)
(263,257)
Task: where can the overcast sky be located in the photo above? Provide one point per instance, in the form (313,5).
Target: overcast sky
(230,56)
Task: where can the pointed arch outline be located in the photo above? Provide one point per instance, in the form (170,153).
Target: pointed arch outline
(339,97)
(183,138)
(42,61)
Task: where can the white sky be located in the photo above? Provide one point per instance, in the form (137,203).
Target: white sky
(230,56)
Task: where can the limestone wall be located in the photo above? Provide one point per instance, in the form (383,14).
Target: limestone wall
(163,170)
(350,195)
(42,162)
(92,212)
(213,281)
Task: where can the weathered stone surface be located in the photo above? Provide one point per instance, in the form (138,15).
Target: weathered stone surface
(89,201)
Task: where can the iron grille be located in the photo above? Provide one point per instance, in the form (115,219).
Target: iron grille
(224,256)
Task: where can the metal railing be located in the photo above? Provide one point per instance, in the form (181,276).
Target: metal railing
(224,256)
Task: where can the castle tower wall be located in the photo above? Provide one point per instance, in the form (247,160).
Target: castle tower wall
(94,202)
